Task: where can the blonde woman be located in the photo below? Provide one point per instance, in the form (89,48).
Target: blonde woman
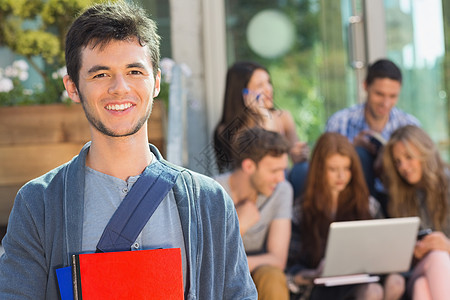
(418,182)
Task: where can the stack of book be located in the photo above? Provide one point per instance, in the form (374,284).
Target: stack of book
(145,274)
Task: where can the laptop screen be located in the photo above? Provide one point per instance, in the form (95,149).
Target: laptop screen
(378,246)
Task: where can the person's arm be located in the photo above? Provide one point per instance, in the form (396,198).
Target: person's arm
(299,150)
(23,267)
(433,241)
(278,240)
(288,124)
(306,276)
(362,140)
(238,283)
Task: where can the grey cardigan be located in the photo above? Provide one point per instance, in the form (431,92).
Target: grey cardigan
(45,228)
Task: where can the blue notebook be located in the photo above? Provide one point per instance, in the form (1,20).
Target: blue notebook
(64,276)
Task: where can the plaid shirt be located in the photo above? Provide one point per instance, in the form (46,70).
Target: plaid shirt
(350,121)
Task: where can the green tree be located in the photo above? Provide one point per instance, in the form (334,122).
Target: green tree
(37,28)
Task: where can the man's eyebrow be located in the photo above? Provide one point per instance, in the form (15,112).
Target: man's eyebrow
(136,65)
(97,68)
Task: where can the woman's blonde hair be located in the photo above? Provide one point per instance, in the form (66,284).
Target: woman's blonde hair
(403,200)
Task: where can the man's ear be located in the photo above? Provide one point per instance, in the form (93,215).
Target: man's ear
(248,166)
(365,85)
(157,87)
(71,89)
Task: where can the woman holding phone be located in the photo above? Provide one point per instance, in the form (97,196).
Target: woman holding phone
(248,102)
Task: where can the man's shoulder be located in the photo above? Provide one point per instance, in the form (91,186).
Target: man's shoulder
(348,112)
(222,178)
(285,186)
(340,120)
(402,117)
(283,192)
(51,179)
(202,180)
(42,193)
(199,182)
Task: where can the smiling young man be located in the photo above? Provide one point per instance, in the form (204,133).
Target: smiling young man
(379,113)
(112,56)
(378,116)
(263,201)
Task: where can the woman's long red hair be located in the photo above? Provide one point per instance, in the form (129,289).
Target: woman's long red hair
(353,201)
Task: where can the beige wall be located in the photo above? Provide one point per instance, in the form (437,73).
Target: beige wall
(198,39)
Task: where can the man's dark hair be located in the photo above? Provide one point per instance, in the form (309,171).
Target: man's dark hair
(383,68)
(100,24)
(256,143)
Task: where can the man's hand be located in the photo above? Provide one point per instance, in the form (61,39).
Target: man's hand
(299,152)
(362,140)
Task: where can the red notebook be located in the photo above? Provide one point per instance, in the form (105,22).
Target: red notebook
(145,274)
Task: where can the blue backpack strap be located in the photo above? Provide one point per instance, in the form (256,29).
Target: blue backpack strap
(137,207)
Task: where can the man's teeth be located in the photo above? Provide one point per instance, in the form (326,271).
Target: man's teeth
(118,106)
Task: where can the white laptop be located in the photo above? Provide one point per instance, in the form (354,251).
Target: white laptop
(356,250)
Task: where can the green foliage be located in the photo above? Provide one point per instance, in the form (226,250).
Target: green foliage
(36,29)
(296,75)
(32,42)
(296,90)
(21,96)
(164,93)
(62,11)
(13,92)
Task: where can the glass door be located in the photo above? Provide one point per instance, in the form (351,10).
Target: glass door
(314,50)
(324,47)
(415,40)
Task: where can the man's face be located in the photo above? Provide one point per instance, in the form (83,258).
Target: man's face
(382,96)
(268,173)
(116,87)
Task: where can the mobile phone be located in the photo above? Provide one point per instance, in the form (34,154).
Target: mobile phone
(378,144)
(423,232)
(376,139)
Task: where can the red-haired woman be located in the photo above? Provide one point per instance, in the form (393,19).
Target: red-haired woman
(335,191)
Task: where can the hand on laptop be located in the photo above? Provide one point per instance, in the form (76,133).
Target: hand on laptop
(433,241)
(306,276)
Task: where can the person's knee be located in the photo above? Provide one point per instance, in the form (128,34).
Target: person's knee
(270,280)
(268,274)
(420,286)
(372,291)
(394,286)
(435,259)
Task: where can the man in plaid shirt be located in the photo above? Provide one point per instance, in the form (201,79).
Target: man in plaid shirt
(377,117)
